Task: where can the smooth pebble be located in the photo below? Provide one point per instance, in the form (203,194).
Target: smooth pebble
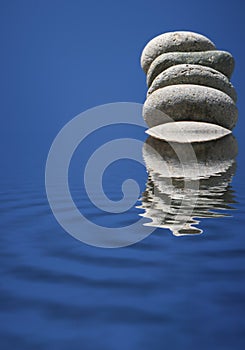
(193,74)
(221,61)
(190,102)
(174,41)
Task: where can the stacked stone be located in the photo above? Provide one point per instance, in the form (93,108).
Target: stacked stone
(188,80)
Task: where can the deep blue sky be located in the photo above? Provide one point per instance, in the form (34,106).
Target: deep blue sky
(59,58)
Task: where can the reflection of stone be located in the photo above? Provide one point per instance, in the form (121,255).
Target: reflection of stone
(170,199)
(190,99)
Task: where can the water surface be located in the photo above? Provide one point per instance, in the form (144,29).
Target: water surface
(178,292)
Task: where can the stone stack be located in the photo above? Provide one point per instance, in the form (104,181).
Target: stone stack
(188,80)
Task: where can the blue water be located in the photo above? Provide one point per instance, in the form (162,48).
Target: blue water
(170,292)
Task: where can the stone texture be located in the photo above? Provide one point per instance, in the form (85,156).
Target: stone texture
(171,42)
(221,61)
(188,132)
(190,102)
(193,74)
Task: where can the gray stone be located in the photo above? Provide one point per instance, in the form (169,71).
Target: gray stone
(221,61)
(171,42)
(190,102)
(193,74)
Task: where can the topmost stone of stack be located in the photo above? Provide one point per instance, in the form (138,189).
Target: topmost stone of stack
(174,42)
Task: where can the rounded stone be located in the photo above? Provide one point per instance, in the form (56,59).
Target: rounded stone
(193,74)
(221,61)
(190,102)
(171,42)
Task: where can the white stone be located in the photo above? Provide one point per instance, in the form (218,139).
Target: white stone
(187,132)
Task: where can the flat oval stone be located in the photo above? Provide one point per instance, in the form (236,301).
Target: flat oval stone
(193,74)
(171,42)
(221,61)
(188,132)
(190,102)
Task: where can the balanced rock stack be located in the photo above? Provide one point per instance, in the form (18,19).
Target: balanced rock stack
(188,80)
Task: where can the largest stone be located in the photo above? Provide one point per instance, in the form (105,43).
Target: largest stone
(174,41)
(190,102)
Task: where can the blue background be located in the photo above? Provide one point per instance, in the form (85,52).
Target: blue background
(59,58)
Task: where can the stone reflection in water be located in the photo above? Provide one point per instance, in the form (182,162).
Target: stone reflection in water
(167,199)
